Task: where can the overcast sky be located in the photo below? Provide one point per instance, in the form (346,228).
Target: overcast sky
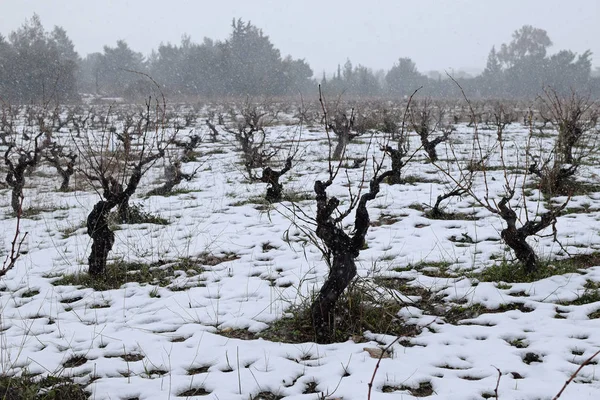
(436,34)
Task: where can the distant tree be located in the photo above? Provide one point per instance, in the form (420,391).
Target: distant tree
(114,69)
(204,69)
(522,68)
(365,82)
(528,43)
(66,85)
(347,72)
(88,73)
(353,80)
(492,75)
(252,62)
(7,70)
(566,70)
(247,63)
(403,78)
(167,66)
(297,77)
(38,66)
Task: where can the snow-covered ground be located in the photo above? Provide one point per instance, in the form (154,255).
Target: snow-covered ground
(147,341)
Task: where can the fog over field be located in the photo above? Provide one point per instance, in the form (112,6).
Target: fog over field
(437,35)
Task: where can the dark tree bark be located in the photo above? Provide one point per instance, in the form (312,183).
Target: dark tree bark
(425,121)
(103,238)
(115,189)
(213,131)
(430,145)
(115,195)
(56,159)
(342,126)
(555,179)
(15,178)
(189,147)
(396,156)
(174,176)
(343,248)
(515,238)
(271,177)
(436,211)
(340,147)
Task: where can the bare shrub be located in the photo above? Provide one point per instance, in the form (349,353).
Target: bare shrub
(15,247)
(189,147)
(117,160)
(343,248)
(173,177)
(575,118)
(250,134)
(517,231)
(271,177)
(24,148)
(426,119)
(214,133)
(63,161)
(400,154)
(339,247)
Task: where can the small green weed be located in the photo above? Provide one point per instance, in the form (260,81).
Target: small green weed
(27,387)
(513,272)
(117,274)
(137,215)
(360,308)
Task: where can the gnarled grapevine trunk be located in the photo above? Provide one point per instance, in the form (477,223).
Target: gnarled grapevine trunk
(340,147)
(515,238)
(102,237)
(271,177)
(344,249)
(343,270)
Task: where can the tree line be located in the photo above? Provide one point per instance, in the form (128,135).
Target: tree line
(37,65)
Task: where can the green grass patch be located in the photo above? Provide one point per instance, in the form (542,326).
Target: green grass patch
(34,212)
(444,215)
(27,387)
(359,308)
(174,192)
(70,231)
(200,391)
(30,293)
(577,188)
(263,204)
(460,312)
(137,215)
(514,272)
(441,214)
(415,180)
(594,314)
(589,296)
(424,389)
(439,269)
(120,273)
